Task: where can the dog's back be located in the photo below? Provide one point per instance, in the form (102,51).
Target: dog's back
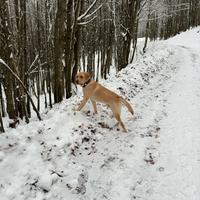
(102,94)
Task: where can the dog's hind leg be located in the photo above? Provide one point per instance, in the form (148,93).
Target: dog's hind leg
(116,108)
(118,118)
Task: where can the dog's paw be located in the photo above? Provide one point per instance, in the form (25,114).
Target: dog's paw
(74,109)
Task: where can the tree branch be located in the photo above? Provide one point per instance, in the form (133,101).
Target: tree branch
(33,63)
(87,22)
(87,11)
(23,86)
(89,15)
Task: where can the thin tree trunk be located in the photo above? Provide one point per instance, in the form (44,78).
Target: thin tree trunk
(2,130)
(2,102)
(49,85)
(146,37)
(59,50)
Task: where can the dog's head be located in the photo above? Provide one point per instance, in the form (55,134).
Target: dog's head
(82,77)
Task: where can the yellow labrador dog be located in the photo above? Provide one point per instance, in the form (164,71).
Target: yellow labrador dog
(96,92)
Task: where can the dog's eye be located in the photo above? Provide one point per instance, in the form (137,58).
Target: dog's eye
(81,76)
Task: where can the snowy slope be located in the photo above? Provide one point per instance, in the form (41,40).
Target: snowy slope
(83,156)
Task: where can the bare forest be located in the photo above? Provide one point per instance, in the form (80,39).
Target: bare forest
(45,43)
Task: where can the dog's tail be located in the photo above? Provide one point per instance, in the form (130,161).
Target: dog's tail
(130,109)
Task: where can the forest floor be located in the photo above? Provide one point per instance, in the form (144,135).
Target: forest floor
(78,155)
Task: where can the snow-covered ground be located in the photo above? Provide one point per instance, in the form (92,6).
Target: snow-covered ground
(83,156)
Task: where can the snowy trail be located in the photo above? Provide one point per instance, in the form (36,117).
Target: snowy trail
(171,150)
(78,156)
(164,164)
(180,139)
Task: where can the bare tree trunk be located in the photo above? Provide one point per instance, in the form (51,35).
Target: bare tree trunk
(47,54)
(5,54)
(77,44)
(2,130)
(23,59)
(59,50)
(146,33)
(2,103)
(49,85)
(129,21)
(73,10)
(39,60)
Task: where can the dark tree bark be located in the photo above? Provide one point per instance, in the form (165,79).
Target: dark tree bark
(59,40)
(5,54)
(1,122)
(147,29)
(129,21)
(9,70)
(2,103)
(69,48)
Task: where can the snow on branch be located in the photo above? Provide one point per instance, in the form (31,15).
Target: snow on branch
(87,22)
(85,15)
(89,15)
(141,8)
(33,63)
(2,62)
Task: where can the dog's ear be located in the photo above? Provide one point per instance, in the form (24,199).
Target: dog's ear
(87,75)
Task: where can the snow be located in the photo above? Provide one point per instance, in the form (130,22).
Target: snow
(188,38)
(2,155)
(79,155)
(2,62)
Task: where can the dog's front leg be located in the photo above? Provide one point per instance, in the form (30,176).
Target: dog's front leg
(94,106)
(82,104)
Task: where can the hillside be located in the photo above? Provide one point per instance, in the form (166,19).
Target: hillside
(79,155)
